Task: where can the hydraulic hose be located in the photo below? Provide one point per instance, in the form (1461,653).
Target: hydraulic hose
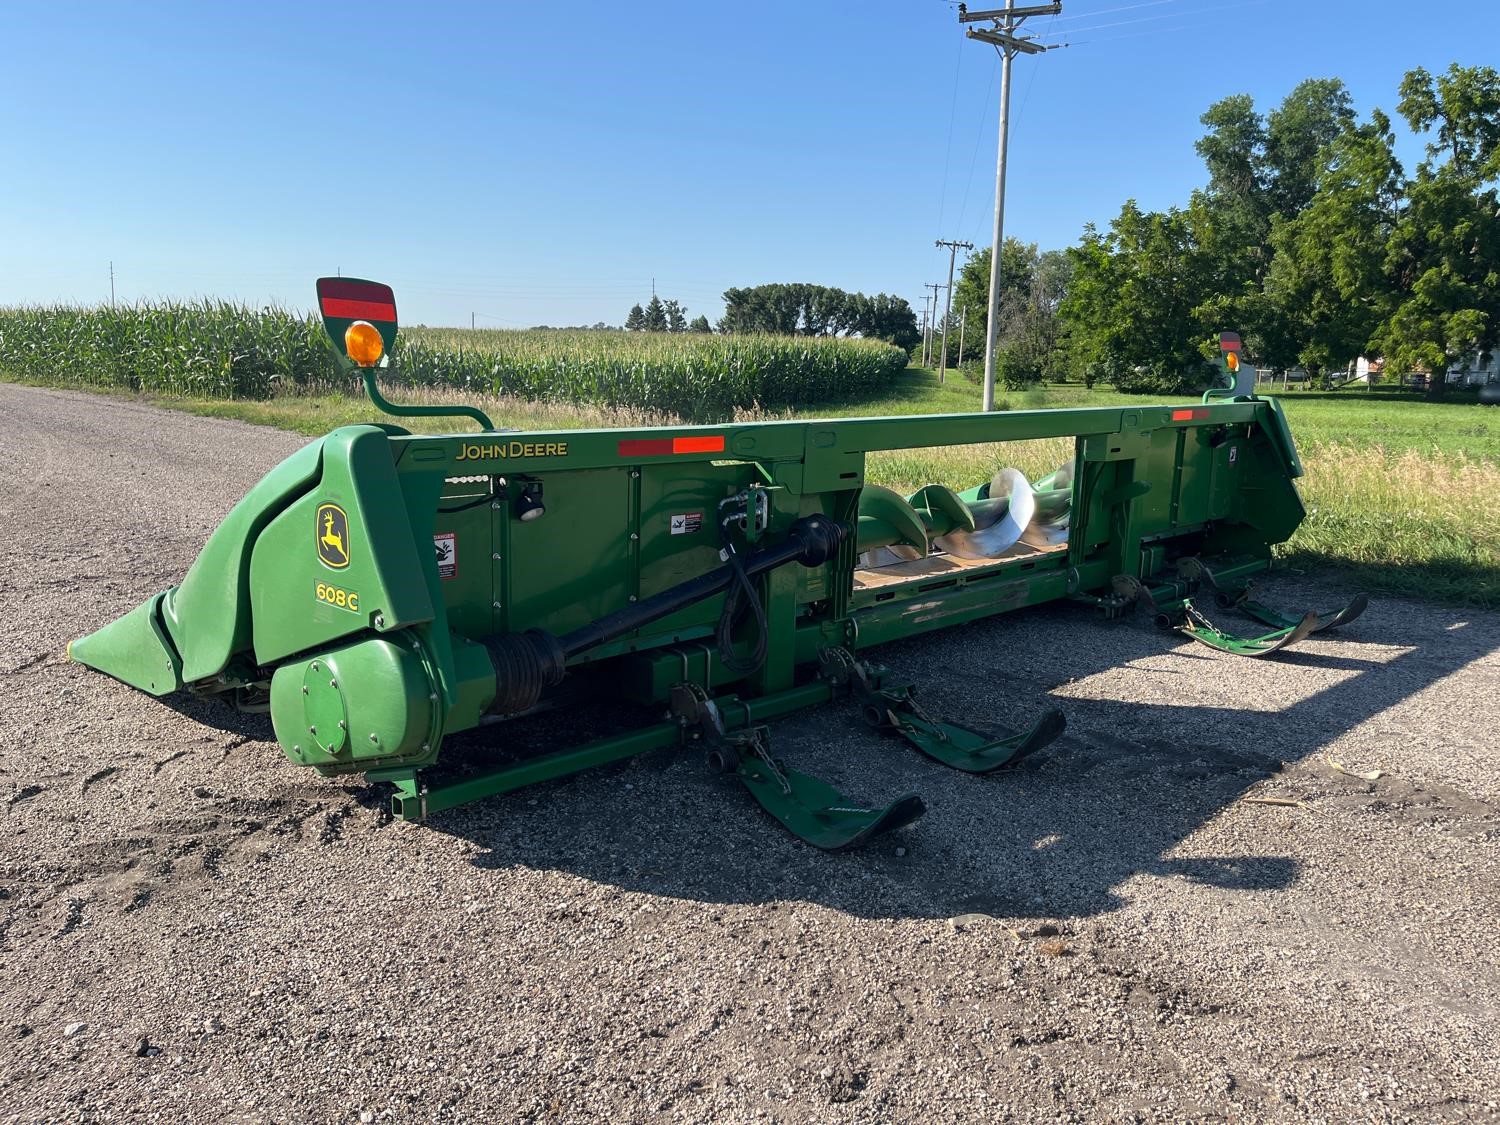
(527,663)
(812,541)
(742,591)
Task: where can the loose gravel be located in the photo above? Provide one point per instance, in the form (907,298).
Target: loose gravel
(1122,930)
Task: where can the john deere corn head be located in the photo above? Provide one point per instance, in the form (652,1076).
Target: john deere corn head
(380,591)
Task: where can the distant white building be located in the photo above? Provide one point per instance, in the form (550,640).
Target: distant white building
(1365,366)
(1476,370)
(1473,371)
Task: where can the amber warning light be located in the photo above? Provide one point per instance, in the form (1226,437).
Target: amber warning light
(363,343)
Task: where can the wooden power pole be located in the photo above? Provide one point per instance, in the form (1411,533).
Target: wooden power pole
(1007,21)
(953,248)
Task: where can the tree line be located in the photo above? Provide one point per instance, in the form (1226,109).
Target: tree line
(802,309)
(664,316)
(1310,238)
(796,309)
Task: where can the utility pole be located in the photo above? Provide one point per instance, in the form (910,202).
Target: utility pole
(953,248)
(111,285)
(931,320)
(924,329)
(963,318)
(471,322)
(1007,21)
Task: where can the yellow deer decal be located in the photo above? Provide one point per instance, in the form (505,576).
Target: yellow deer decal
(333,543)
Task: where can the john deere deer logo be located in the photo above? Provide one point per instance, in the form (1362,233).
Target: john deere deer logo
(333,536)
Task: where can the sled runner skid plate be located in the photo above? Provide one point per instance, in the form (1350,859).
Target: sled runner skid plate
(1185,617)
(1268,616)
(1241,597)
(809,808)
(1173,607)
(895,709)
(814,811)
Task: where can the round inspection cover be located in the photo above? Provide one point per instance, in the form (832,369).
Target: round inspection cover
(323,704)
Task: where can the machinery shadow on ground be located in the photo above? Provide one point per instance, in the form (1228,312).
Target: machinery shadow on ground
(1127,784)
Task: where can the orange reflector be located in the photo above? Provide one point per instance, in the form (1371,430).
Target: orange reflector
(714,444)
(363,343)
(1232,359)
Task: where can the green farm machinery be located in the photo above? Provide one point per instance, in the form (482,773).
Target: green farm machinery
(380,590)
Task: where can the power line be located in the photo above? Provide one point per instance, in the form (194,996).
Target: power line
(984,113)
(1172,15)
(948,152)
(1031,81)
(1158,31)
(1121,8)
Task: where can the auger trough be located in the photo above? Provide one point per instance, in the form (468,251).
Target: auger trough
(380,590)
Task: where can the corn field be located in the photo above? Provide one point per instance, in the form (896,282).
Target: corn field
(217,349)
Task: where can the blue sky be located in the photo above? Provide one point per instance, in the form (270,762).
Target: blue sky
(542,163)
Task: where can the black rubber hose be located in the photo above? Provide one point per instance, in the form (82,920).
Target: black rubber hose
(528,663)
(741,588)
(812,541)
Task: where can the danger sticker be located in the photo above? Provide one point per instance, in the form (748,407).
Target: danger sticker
(685,523)
(446,545)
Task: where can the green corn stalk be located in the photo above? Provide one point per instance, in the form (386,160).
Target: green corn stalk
(219,349)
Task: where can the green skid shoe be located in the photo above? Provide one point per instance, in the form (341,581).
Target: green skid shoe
(1268,616)
(814,811)
(810,809)
(1286,630)
(896,710)
(1185,618)
(954,746)
(1182,615)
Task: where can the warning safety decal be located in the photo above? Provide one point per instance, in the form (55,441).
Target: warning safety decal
(446,545)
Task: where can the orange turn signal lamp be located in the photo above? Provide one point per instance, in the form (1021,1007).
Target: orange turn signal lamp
(363,343)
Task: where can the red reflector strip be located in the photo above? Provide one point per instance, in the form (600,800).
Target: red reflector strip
(660,447)
(648,447)
(1229,345)
(1196,415)
(348,309)
(355,290)
(714,444)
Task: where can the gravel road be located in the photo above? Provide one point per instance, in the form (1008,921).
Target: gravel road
(196,930)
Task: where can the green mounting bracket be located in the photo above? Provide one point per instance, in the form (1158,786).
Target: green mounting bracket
(403,410)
